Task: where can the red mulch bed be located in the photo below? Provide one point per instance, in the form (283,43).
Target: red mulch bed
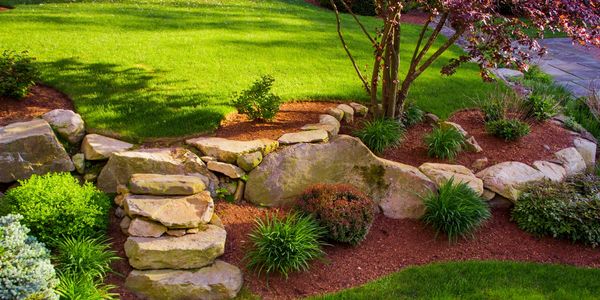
(40,100)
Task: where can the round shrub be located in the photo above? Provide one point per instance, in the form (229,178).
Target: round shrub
(343,210)
(25,268)
(541,107)
(56,205)
(284,245)
(381,134)
(85,256)
(444,142)
(17,74)
(455,210)
(258,102)
(508,129)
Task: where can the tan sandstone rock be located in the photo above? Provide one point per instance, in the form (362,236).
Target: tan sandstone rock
(309,136)
(229,170)
(571,160)
(98,147)
(145,228)
(249,161)
(67,123)
(157,184)
(508,178)
(229,150)
(440,173)
(551,171)
(172,211)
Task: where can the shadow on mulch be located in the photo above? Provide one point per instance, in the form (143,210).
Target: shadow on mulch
(40,100)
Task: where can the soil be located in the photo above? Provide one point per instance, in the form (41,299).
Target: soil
(41,99)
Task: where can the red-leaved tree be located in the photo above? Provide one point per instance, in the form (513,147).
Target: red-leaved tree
(491,39)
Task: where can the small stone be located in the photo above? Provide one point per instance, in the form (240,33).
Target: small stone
(336,113)
(176,232)
(359,109)
(311,136)
(239,192)
(192,230)
(480,163)
(348,112)
(471,145)
(119,212)
(207,158)
(67,123)
(228,170)
(98,147)
(145,228)
(157,184)
(249,161)
(459,128)
(332,130)
(120,199)
(488,195)
(431,118)
(79,162)
(216,220)
(124,224)
(571,160)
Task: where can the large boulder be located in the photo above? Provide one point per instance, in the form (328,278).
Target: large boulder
(217,281)
(157,184)
(508,178)
(173,211)
(571,160)
(98,147)
(67,123)
(190,251)
(229,150)
(285,174)
(28,148)
(440,173)
(177,161)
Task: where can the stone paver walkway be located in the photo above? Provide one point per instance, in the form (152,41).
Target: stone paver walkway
(575,67)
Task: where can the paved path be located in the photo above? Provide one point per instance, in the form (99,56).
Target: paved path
(572,66)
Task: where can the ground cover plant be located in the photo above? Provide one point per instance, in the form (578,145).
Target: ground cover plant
(380,134)
(17,74)
(343,210)
(508,129)
(481,280)
(444,142)
(168,68)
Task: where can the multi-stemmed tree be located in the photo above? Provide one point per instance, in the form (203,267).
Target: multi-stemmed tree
(491,39)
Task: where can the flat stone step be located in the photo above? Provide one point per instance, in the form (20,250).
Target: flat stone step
(160,185)
(190,251)
(172,211)
(309,136)
(229,150)
(217,281)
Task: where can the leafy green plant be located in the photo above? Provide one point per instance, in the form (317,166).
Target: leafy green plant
(343,210)
(55,205)
(75,287)
(535,73)
(508,129)
(455,210)
(444,142)
(541,107)
(25,268)
(87,256)
(381,134)
(568,210)
(284,245)
(258,102)
(17,74)
(412,114)
(224,194)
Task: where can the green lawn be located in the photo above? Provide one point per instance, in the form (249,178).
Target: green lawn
(481,280)
(157,68)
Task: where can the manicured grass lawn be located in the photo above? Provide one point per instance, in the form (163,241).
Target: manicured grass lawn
(168,68)
(481,280)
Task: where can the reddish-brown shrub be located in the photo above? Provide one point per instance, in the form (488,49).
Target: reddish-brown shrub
(342,209)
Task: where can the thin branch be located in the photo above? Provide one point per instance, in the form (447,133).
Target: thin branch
(421,36)
(431,39)
(439,52)
(339,30)
(360,24)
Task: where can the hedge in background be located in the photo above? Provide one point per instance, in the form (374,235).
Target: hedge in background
(359,7)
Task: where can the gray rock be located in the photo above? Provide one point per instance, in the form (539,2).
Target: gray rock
(571,160)
(488,195)
(67,123)
(177,232)
(456,126)
(98,147)
(249,161)
(217,281)
(79,162)
(336,113)
(348,112)
(587,149)
(332,130)
(480,163)
(329,120)
(551,171)
(431,118)
(28,148)
(172,211)
(508,178)
(229,150)
(229,170)
(471,145)
(157,184)
(310,136)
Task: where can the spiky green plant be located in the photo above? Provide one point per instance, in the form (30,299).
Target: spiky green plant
(444,142)
(75,287)
(84,255)
(381,134)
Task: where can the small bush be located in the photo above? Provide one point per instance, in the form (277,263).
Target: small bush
(568,210)
(17,74)
(258,102)
(25,268)
(541,108)
(381,134)
(444,143)
(284,245)
(344,211)
(86,256)
(412,115)
(535,73)
(76,287)
(509,130)
(455,210)
(55,205)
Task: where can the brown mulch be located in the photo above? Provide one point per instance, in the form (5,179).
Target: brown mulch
(544,139)
(41,99)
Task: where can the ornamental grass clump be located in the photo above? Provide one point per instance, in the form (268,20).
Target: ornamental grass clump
(455,210)
(285,244)
(76,287)
(86,256)
(25,268)
(381,134)
(444,142)
(343,210)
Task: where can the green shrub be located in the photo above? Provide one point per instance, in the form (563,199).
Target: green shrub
(578,110)
(455,210)
(76,287)
(343,210)
(258,102)
(568,210)
(359,7)
(284,245)
(444,142)
(571,124)
(55,205)
(541,107)
(508,129)
(85,256)
(501,104)
(380,134)
(535,73)
(412,115)
(25,268)
(17,74)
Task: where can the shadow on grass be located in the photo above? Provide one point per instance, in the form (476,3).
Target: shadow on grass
(132,103)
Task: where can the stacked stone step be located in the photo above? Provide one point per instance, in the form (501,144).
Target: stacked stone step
(174,239)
